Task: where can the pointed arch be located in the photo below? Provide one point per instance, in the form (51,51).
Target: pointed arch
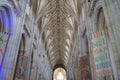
(7,16)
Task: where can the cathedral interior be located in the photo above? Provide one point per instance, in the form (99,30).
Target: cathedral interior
(59,40)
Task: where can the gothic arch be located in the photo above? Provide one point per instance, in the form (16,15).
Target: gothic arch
(6,16)
(6,26)
(98,5)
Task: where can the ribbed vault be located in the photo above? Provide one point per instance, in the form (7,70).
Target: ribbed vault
(57,21)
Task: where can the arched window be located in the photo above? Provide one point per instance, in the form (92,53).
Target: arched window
(59,74)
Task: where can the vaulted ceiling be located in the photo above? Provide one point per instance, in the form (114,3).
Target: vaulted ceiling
(58,22)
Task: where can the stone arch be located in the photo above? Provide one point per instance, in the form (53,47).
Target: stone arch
(7,16)
(99,18)
(6,26)
(98,5)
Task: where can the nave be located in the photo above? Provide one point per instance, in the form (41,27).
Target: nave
(59,40)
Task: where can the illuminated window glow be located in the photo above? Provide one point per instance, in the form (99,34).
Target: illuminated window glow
(60,76)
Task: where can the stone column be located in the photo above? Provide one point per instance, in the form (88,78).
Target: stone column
(33,71)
